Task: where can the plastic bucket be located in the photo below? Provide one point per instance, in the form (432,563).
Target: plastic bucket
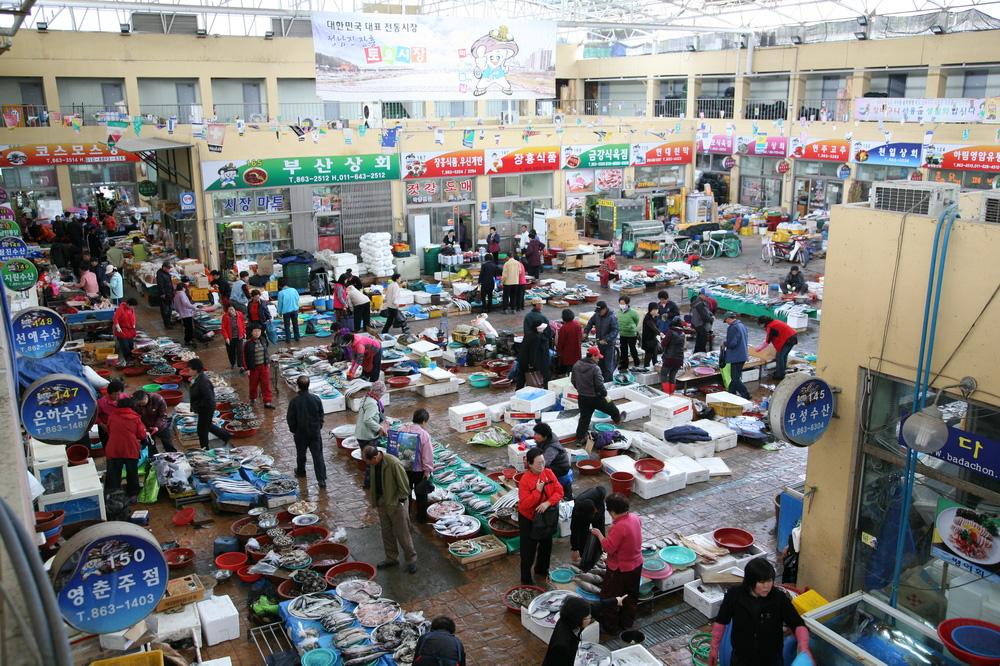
(621,482)
(77,454)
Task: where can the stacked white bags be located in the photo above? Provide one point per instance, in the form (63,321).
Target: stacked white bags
(376,252)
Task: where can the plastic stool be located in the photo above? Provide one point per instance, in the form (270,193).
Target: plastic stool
(225,544)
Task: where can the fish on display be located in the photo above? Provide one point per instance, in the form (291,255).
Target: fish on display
(588,587)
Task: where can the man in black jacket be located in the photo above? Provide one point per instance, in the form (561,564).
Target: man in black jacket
(795,282)
(165,284)
(203,405)
(588,512)
(305,422)
(488,274)
(440,645)
(588,380)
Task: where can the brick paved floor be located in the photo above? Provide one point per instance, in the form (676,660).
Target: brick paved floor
(491,635)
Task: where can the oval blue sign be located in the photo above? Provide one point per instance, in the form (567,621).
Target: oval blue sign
(58,409)
(801,409)
(38,332)
(12,247)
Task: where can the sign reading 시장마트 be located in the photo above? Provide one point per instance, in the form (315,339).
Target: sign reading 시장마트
(38,332)
(282,172)
(58,409)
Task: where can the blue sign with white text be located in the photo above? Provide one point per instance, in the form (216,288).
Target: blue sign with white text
(807,413)
(38,332)
(58,409)
(968,450)
(878,153)
(12,247)
(115,582)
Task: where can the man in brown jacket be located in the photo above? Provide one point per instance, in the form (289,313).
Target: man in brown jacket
(390,493)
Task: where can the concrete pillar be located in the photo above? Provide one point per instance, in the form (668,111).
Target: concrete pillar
(796,95)
(693,93)
(482,108)
(742,95)
(132,95)
(65,191)
(207,99)
(430,110)
(861,82)
(273,103)
(734,183)
(652,93)
(937,82)
(51,92)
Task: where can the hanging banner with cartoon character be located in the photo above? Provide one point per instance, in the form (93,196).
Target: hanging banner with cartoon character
(434,165)
(281,172)
(963,158)
(822,150)
(918,110)
(365,57)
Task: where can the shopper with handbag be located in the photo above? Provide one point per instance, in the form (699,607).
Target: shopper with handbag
(420,468)
(539,493)
(623,546)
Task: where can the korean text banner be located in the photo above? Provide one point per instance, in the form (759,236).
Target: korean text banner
(281,172)
(46,154)
(970,158)
(762,146)
(660,154)
(916,110)
(603,155)
(433,165)
(371,57)
(522,160)
(878,153)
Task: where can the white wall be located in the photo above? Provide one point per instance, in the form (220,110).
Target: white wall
(83,91)
(769,89)
(297,91)
(230,91)
(163,92)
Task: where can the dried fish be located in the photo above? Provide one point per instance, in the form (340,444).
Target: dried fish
(374,613)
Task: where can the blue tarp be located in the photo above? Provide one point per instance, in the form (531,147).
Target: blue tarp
(63,363)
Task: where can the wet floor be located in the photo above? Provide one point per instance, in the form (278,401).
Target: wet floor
(491,635)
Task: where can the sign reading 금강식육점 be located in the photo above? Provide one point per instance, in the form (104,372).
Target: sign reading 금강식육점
(366,57)
(801,409)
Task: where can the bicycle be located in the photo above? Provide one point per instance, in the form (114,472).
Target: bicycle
(727,246)
(678,248)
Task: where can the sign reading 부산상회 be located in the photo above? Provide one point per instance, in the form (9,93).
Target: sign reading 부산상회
(58,409)
(282,172)
(801,409)
(368,57)
(108,577)
(38,332)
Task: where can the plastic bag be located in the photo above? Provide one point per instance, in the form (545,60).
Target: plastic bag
(727,375)
(150,489)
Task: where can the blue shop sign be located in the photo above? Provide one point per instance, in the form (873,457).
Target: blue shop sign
(801,409)
(878,153)
(58,409)
(969,450)
(38,332)
(112,582)
(12,247)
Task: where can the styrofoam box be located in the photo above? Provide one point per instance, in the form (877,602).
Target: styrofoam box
(632,393)
(591,634)
(633,410)
(516,456)
(615,391)
(618,464)
(723,438)
(454,354)
(497,411)
(177,625)
(421,298)
(569,404)
(671,411)
(220,621)
(739,560)
(696,449)
(634,654)
(679,579)
(751,375)
(716,467)
(438,388)
(424,347)
(729,398)
(706,602)
(531,399)
(512,415)
(647,378)
(564,430)
(344,259)
(693,471)
(472,425)
(470,411)
(662,483)
(54,477)
(332,405)
(658,449)
(560,385)
(406,297)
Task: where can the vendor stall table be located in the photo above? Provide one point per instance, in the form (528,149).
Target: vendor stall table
(750,309)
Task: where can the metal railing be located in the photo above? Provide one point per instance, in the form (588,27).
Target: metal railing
(765,109)
(25,115)
(183,112)
(602,107)
(825,108)
(319,112)
(228,113)
(455,109)
(669,108)
(93,114)
(715,107)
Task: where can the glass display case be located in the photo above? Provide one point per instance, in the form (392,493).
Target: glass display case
(860,629)
(327,205)
(252,223)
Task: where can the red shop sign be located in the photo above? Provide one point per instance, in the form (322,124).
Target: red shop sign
(47,154)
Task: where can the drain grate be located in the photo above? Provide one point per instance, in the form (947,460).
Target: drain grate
(684,622)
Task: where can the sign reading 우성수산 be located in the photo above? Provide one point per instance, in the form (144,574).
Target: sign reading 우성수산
(801,409)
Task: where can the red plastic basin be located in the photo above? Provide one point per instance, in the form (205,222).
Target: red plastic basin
(649,467)
(733,538)
(231,561)
(365,570)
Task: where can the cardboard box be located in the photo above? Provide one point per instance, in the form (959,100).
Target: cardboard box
(124,639)
(220,621)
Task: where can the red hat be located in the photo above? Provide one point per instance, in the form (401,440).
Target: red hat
(595,352)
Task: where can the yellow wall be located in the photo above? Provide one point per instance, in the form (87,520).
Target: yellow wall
(859,266)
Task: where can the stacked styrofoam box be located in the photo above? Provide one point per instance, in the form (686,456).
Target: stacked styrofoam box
(728,398)
(531,399)
(668,412)
(694,472)
(633,410)
(376,252)
(706,599)
(516,456)
(648,395)
(406,297)
(564,430)
(220,621)
(663,482)
(722,438)
(468,417)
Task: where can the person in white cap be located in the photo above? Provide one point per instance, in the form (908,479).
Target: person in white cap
(116,287)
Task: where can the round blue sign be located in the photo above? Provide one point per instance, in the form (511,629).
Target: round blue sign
(801,409)
(12,247)
(38,332)
(58,409)
(110,582)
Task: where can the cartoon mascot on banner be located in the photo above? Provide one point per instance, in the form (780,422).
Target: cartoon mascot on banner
(492,52)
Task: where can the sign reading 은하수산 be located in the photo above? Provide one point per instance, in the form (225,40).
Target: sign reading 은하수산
(114,577)
(38,332)
(58,409)
(801,409)
(367,57)
(282,172)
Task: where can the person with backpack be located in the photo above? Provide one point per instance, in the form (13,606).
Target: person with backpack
(440,646)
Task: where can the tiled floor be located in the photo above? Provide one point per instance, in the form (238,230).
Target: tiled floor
(491,635)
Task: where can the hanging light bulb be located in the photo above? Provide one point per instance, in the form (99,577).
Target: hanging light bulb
(926,431)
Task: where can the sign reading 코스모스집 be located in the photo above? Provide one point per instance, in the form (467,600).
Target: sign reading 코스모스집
(282,172)
(47,154)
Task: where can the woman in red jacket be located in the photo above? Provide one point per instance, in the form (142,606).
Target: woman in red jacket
(234,332)
(538,490)
(783,337)
(123,326)
(125,434)
(569,341)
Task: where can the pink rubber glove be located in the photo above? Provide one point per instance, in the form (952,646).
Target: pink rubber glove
(802,638)
(718,630)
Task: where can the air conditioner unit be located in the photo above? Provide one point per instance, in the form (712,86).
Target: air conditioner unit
(990,210)
(917,197)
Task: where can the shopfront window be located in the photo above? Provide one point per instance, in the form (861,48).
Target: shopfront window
(970,180)
(252,223)
(817,186)
(760,183)
(448,202)
(113,180)
(659,177)
(948,568)
(514,198)
(710,162)
(27,185)
(867,174)
(327,205)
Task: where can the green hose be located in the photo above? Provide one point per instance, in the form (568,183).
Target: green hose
(700,646)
